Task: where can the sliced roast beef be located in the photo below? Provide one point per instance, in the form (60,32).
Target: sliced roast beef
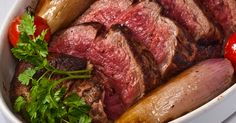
(93,96)
(104,11)
(223,11)
(160,36)
(74,41)
(144,58)
(111,55)
(191,17)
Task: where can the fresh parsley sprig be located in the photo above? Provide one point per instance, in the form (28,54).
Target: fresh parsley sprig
(47,103)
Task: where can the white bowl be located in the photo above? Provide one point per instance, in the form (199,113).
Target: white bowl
(215,111)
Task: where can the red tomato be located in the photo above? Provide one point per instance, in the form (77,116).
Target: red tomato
(40,23)
(13,32)
(230,49)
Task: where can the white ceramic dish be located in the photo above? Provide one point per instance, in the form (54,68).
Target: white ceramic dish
(215,111)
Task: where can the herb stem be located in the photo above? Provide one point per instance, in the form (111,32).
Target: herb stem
(72,72)
(65,121)
(42,76)
(57,71)
(50,76)
(70,78)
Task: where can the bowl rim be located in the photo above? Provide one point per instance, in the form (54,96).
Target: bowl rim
(15,5)
(5,110)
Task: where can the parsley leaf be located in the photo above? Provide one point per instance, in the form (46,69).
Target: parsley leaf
(27,24)
(34,52)
(74,101)
(19,103)
(78,109)
(48,102)
(82,118)
(30,49)
(26,76)
(59,94)
(42,48)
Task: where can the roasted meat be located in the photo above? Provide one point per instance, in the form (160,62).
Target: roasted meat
(111,55)
(74,41)
(223,12)
(160,36)
(104,12)
(193,19)
(134,46)
(90,90)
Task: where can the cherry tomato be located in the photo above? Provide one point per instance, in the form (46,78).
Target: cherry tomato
(40,24)
(230,49)
(13,32)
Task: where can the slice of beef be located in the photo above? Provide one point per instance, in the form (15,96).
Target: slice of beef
(93,96)
(111,55)
(144,58)
(74,41)
(160,36)
(223,12)
(66,62)
(104,11)
(192,18)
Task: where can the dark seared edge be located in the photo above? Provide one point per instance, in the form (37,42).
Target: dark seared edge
(211,51)
(66,62)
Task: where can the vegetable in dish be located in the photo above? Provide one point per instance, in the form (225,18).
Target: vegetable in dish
(230,49)
(60,13)
(15,29)
(183,93)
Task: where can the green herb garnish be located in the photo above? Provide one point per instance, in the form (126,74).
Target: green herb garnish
(47,102)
